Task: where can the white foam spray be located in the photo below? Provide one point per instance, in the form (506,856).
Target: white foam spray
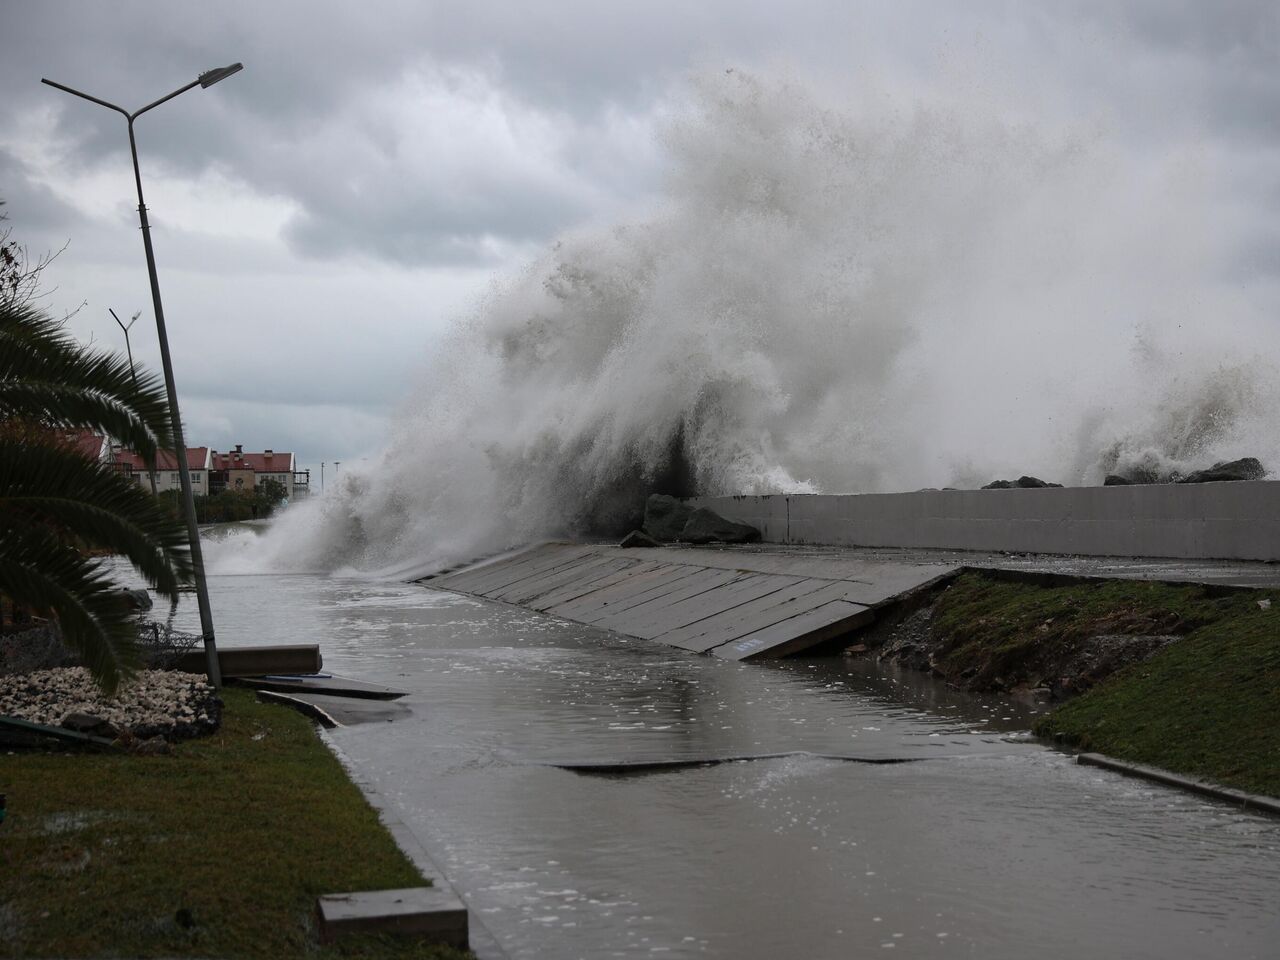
(875,297)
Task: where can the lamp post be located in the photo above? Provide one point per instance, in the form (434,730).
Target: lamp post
(133,375)
(206,79)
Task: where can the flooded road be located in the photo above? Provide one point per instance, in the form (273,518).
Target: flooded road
(985,845)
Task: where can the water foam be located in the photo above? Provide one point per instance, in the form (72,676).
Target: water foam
(874,297)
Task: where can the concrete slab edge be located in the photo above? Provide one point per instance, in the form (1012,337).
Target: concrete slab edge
(318,714)
(1241,798)
(483,943)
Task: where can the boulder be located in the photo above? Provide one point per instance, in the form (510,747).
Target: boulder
(88,723)
(665,517)
(1115,480)
(1246,468)
(638,538)
(707,526)
(1021,482)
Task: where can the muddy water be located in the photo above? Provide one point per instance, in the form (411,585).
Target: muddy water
(985,845)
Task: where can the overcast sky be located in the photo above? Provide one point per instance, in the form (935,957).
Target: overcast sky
(321,217)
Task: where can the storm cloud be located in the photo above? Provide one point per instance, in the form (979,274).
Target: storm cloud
(322,217)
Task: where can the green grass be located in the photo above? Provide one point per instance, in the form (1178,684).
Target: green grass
(218,850)
(999,633)
(1206,705)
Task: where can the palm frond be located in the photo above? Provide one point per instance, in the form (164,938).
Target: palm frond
(48,577)
(100,508)
(57,507)
(45,374)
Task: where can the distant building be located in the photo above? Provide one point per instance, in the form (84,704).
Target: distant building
(90,445)
(167,477)
(238,470)
(211,472)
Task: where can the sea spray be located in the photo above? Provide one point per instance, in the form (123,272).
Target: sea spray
(868,298)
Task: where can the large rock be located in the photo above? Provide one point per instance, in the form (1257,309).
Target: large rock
(89,723)
(665,517)
(1021,482)
(1246,468)
(638,538)
(707,526)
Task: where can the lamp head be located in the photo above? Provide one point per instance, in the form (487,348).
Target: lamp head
(210,77)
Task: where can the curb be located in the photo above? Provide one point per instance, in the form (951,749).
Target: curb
(1240,798)
(483,943)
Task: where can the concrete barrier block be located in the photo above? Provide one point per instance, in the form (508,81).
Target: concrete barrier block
(1101,504)
(1165,520)
(815,509)
(802,531)
(1242,500)
(1242,539)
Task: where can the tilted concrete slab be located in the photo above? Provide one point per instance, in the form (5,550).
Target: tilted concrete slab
(735,605)
(798,633)
(434,914)
(620,572)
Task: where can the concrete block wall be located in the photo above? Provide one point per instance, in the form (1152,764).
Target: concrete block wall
(1235,521)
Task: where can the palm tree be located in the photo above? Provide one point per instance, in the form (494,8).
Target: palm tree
(59,511)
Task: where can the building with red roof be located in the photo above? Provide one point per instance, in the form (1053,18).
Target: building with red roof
(212,472)
(239,470)
(167,478)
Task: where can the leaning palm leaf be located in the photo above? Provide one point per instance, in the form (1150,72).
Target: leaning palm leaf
(53,579)
(84,501)
(45,376)
(58,509)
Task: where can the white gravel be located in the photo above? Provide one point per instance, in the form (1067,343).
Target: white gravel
(154,703)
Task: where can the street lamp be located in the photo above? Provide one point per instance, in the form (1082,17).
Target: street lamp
(133,375)
(206,79)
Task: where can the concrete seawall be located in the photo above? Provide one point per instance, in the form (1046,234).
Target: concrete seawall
(1233,521)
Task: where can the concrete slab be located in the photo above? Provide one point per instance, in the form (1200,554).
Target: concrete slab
(768,600)
(531,586)
(621,574)
(333,686)
(256,661)
(505,571)
(744,588)
(626,596)
(584,569)
(642,620)
(749,604)
(752,617)
(583,583)
(429,913)
(337,711)
(798,633)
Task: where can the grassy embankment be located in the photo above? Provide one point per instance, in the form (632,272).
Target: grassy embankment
(219,849)
(1206,705)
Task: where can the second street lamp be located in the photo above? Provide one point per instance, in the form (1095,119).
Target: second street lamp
(206,79)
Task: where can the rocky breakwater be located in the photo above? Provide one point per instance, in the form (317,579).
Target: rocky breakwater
(1246,468)
(669,519)
(154,707)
